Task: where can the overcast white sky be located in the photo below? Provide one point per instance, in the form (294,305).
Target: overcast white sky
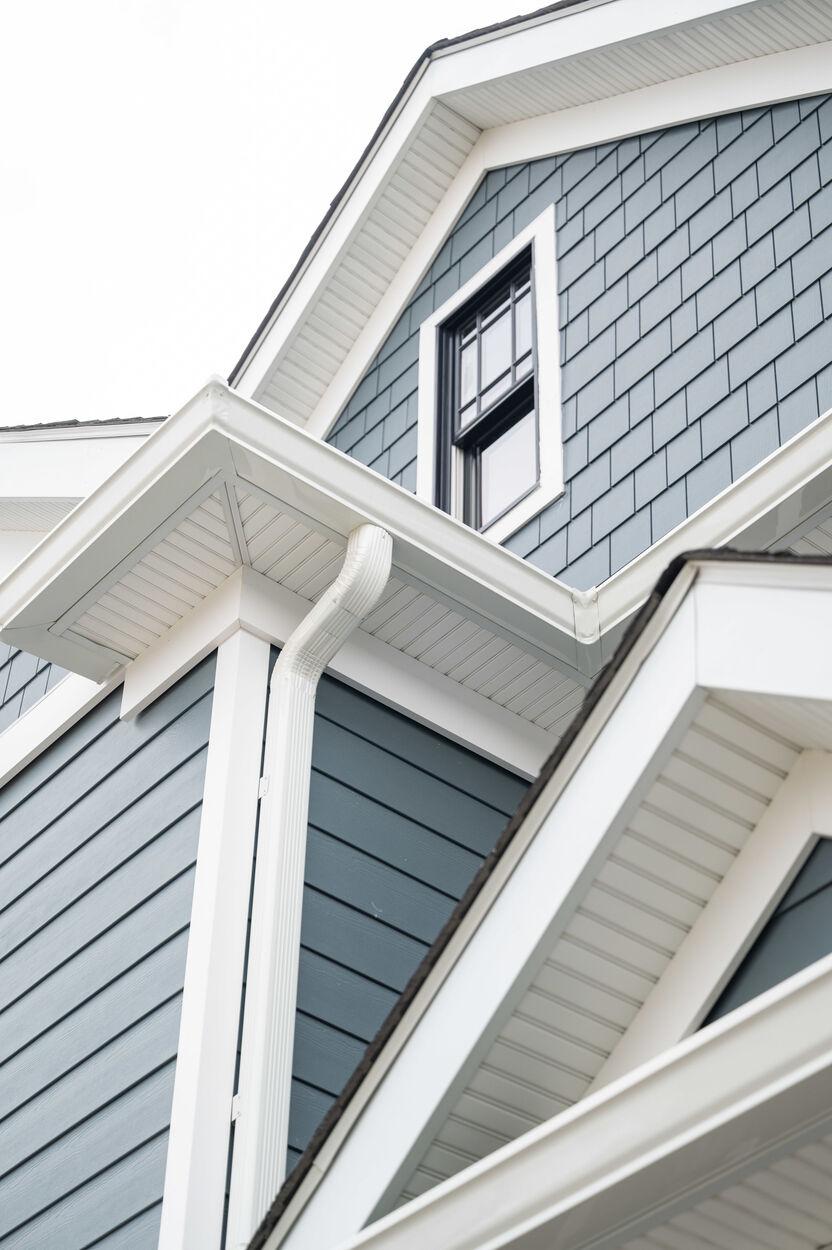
(162,164)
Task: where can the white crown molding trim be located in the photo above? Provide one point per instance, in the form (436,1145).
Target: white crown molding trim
(729,88)
(733,918)
(197,1157)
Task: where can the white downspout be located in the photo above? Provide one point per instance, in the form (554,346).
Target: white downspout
(262,1123)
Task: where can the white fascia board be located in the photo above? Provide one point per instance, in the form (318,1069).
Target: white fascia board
(733,918)
(324,258)
(251,602)
(569,35)
(725,89)
(220,434)
(720,1105)
(15,545)
(517,916)
(65,468)
(767,638)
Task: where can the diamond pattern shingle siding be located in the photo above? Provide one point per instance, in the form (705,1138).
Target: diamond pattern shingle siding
(695,282)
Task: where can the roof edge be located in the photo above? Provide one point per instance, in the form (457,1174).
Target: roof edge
(440,47)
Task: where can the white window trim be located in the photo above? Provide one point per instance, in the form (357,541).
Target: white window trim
(540,234)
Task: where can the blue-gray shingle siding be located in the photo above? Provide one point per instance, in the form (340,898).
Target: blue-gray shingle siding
(799,932)
(23,680)
(98,841)
(695,288)
(399,821)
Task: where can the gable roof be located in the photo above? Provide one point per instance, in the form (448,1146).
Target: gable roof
(574,753)
(470,106)
(440,45)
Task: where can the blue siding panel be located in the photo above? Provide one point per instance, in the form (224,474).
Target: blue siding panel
(23,680)
(399,821)
(97,848)
(799,932)
(682,255)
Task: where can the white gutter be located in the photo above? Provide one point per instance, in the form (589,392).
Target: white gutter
(219,434)
(262,1124)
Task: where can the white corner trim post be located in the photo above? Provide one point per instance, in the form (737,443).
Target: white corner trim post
(197,1161)
(262,1124)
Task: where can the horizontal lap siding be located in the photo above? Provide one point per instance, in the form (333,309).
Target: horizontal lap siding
(98,841)
(399,821)
(695,289)
(799,932)
(23,680)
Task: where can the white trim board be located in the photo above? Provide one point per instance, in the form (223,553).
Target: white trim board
(719,1106)
(45,721)
(251,602)
(540,234)
(762,80)
(197,1155)
(733,918)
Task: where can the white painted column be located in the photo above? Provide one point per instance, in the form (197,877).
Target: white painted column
(262,1124)
(192,1207)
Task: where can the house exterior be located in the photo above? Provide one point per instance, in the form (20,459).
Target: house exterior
(415,788)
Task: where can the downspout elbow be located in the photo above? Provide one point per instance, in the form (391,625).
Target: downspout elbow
(341,608)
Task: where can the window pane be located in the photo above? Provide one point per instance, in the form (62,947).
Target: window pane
(496,349)
(523,331)
(508,468)
(494,392)
(498,305)
(467,415)
(468,373)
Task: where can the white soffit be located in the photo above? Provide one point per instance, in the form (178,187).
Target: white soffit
(225,485)
(646,897)
(538,68)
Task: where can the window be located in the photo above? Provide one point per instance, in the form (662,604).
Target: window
(488,434)
(490,450)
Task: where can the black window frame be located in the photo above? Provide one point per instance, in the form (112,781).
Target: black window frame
(505,412)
